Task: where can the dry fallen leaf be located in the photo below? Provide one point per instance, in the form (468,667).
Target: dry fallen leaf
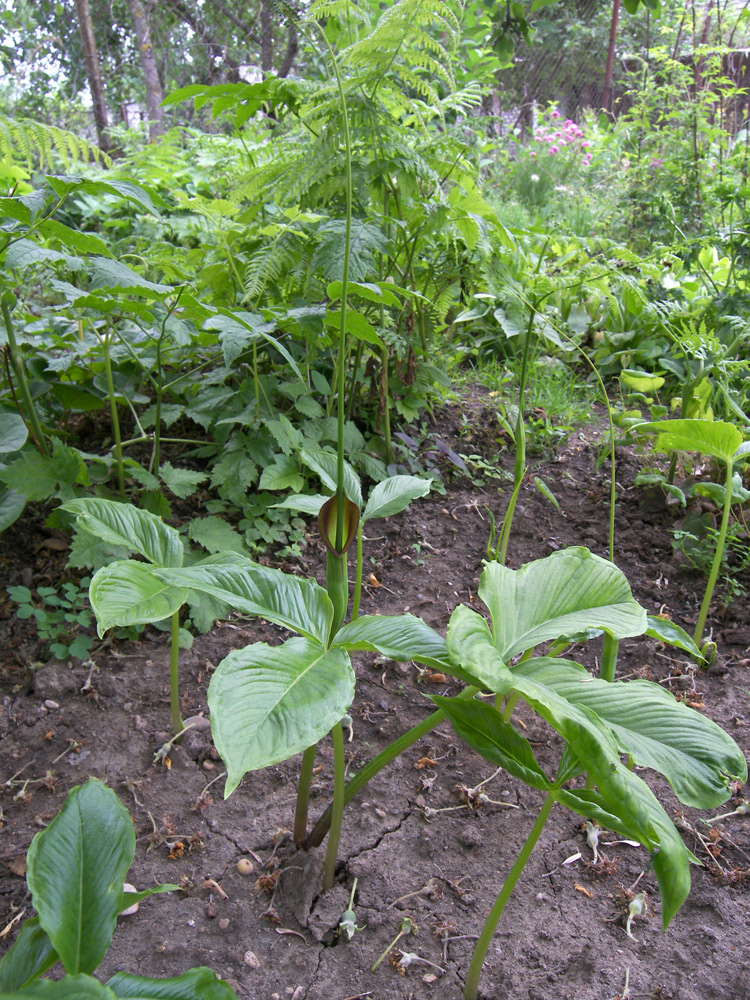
(584,890)
(424,762)
(373,581)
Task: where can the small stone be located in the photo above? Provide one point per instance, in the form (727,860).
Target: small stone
(251,960)
(49,703)
(429,978)
(208,765)
(197,722)
(245,866)
(127,887)
(224,923)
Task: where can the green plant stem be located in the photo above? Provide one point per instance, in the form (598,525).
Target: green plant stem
(358,782)
(113,411)
(353,377)
(358,576)
(510,704)
(716,565)
(519,466)
(174,684)
(303,793)
(23,385)
(385,376)
(337,806)
(148,437)
(608,666)
(502,544)
(488,931)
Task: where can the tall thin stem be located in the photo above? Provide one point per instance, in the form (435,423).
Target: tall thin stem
(610,648)
(105,340)
(337,807)
(488,931)
(174,683)
(303,793)
(358,577)
(716,565)
(23,385)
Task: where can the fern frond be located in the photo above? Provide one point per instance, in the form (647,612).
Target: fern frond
(267,265)
(366,240)
(29,140)
(322,10)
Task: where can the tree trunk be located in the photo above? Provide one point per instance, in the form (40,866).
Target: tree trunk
(266,37)
(291,51)
(94,73)
(154,94)
(607,92)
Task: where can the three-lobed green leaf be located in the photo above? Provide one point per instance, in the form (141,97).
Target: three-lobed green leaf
(268,703)
(562,594)
(127,592)
(128,526)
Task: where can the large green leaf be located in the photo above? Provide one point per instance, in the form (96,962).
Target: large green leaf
(565,593)
(303,503)
(195,984)
(30,955)
(402,637)
(295,603)
(394,495)
(708,437)
(11,507)
(696,757)
(77,987)
(623,800)
(270,702)
(324,463)
(482,727)
(13,432)
(123,524)
(130,593)
(77,867)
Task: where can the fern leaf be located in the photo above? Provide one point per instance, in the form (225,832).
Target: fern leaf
(30,141)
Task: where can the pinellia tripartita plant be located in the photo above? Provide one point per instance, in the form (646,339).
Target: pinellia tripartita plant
(600,722)
(127,591)
(270,702)
(724,442)
(76,876)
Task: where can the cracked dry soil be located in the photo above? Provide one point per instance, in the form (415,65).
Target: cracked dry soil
(269,931)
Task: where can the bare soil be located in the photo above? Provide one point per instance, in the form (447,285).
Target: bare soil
(271,933)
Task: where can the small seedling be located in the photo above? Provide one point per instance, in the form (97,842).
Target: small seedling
(407,926)
(636,908)
(592,838)
(743,809)
(408,958)
(348,922)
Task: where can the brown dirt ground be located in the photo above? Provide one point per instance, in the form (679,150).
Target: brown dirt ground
(562,935)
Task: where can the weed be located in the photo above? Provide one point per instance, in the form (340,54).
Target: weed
(59,617)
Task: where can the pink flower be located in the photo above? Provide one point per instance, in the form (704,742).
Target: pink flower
(554,113)
(586,160)
(553,150)
(585,145)
(532,154)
